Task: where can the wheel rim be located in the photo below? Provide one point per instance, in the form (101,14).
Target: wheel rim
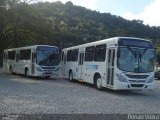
(99,83)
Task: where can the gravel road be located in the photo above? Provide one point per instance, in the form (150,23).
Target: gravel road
(19,94)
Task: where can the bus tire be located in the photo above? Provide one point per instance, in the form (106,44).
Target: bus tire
(26,72)
(71,76)
(98,83)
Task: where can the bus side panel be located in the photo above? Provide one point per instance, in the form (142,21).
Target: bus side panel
(22,65)
(73,66)
(66,70)
(67,66)
(92,68)
(88,71)
(11,65)
(102,70)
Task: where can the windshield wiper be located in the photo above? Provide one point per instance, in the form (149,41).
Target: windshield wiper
(134,53)
(141,54)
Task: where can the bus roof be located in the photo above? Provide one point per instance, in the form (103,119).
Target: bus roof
(27,47)
(113,40)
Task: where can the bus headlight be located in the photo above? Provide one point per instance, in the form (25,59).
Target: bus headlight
(121,78)
(151,79)
(39,69)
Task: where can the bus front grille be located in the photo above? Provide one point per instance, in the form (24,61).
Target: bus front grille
(46,68)
(137,85)
(137,81)
(137,76)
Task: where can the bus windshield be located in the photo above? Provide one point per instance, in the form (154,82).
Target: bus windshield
(139,60)
(47,57)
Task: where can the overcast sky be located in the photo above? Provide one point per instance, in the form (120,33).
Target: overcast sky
(146,10)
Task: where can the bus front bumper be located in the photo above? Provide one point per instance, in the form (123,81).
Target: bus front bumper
(42,74)
(133,86)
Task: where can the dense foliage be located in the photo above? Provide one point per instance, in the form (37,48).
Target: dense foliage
(23,23)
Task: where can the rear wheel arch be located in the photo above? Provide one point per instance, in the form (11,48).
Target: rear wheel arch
(96,75)
(10,69)
(70,75)
(26,71)
(98,81)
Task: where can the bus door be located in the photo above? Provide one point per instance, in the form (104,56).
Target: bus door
(80,65)
(110,64)
(33,63)
(16,63)
(63,63)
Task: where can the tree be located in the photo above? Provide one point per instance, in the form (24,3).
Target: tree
(27,22)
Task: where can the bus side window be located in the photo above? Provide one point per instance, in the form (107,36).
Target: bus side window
(69,55)
(25,54)
(11,55)
(89,53)
(75,55)
(109,56)
(100,53)
(81,59)
(113,57)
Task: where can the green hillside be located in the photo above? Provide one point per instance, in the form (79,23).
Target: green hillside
(64,24)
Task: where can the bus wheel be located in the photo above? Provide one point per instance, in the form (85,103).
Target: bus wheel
(11,70)
(98,83)
(26,72)
(71,76)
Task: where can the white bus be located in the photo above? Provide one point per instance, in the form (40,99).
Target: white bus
(120,63)
(37,60)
